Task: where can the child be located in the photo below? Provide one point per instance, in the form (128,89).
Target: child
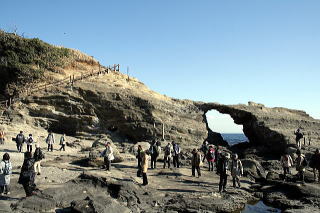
(5,171)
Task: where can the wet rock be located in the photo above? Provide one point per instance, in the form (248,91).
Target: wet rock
(253,169)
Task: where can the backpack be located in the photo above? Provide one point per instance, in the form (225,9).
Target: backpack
(6,170)
(167,150)
(210,155)
(20,138)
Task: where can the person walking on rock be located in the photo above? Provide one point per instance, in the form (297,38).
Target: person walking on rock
(27,175)
(5,172)
(50,141)
(195,162)
(236,170)
(29,143)
(167,155)
(2,138)
(210,157)
(218,157)
(286,162)
(145,165)
(63,142)
(155,151)
(38,156)
(224,171)
(301,164)
(205,149)
(176,154)
(315,164)
(20,139)
(299,137)
(139,158)
(108,156)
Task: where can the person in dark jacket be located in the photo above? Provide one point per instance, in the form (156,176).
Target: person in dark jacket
(155,151)
(224,171)
(27,174)
(139,158)
(218,157)
(20,139)
(176,154)
(195,162)
(38,156)
(315,164)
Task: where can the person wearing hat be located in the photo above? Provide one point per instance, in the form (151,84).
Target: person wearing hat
(107,154)
(224,171)
(236,170)
(38,156)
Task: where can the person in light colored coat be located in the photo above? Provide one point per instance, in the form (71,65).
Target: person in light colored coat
(108,156)
(145,166)
(50,141)
(236,170)
(286,162)
(5,172)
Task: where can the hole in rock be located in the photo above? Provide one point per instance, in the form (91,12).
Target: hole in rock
(224,124)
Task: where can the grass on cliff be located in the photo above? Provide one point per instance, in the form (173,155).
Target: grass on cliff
(24,60)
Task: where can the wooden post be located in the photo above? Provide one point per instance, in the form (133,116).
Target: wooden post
(114,67)
(99,67)
(162,131)
(70,79)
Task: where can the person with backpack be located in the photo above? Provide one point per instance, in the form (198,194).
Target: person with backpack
(27,175)
(155,151)
(210,155)
(5,172)
(108,156)
(286,162)
(176,154)
(50,141)
(224,171)
(20,139)
(195,162)
(29,143)
(38,156)
(145,165)
(299,136)
(236,170)
(205,149)
(301,164)
(63,142)
(167,155)
(315,164)
(2,138)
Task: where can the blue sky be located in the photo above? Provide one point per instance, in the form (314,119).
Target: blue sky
(226,51)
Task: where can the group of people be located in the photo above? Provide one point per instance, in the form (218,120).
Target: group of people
(31,164)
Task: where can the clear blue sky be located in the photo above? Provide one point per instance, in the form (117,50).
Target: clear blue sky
(267,51)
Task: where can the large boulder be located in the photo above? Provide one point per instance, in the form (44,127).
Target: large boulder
(253,168)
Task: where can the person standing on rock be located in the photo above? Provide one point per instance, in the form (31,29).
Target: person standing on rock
(167,155)
(145,165)
(38,156)
(218,157)
(210,157)
(2,138)
(236,170)
(20,139)
(286,162)
(29,143)
(63,142)
(50,141)
(139,158)
(155,151)
(195,162)
(301,164)
(205,149)
(5,172)
(315,164)
(27,175)
(107,154)
(176,154)
(224,171)
(299,137)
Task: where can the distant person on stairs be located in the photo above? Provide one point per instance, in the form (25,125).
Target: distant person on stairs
(38,156)
(107,154)
(20,139)
(5,172)
(63,142)
(50,141)
(29,143)
(27,174)
(195,162)
(2,138)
